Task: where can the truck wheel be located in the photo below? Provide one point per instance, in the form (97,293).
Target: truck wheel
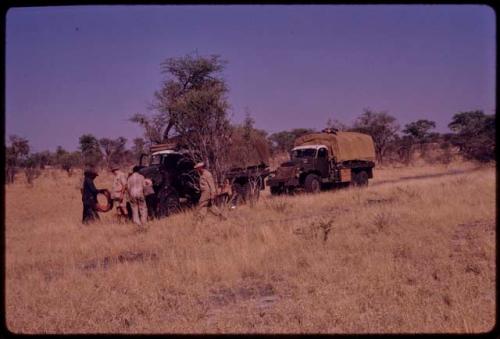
(242,192)
(168,204)
(312,184)
(275,190)
(173,203)
(360,179)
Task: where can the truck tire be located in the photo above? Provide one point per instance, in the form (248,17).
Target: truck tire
(312,184)
(173,203)
(242,193)
(249,192)
(109,201)
(275,190)
(360,179)
(168,203)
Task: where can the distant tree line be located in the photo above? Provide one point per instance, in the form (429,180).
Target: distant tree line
(92,152)
(472,134)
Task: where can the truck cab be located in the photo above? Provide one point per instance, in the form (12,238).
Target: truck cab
(175,182)
(312,157)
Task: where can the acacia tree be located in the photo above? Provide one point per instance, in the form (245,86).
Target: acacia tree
(42,159)
(15,154)
(203,128)
(60,151)
(192,106)
(336,124)
(420,132)
(91,153)
(120,153)
(31,168)
(153,126)
(474,135)
(283,141)
(381,126)
(113,150)
(403,147)
(69,160)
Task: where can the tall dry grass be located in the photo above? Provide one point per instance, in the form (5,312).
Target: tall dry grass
(408,254)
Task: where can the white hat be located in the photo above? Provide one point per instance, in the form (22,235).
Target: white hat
(200,164)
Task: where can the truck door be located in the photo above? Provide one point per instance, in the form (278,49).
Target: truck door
(322,162)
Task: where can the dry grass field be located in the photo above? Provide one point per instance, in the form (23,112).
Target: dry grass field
(414,252)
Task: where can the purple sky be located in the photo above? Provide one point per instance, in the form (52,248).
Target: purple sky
(87,69)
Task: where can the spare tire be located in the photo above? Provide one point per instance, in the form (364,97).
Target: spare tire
(109,203)
(360,179)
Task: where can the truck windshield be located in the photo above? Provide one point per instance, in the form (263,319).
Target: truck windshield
(304,153)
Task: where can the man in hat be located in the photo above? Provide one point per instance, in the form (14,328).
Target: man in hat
(89,196)
(135,188)
(208,193)
(118,192)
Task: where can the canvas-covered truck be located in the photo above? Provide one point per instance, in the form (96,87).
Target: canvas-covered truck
(327,159)
(176,183)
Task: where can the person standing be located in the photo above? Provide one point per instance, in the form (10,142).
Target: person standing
(208,193)
(118,192)
(149,194)
(135,188)
(89,197)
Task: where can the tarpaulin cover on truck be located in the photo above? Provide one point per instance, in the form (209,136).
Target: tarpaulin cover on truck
(342,145)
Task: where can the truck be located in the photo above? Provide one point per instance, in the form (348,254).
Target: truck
(322,160)
(176,182)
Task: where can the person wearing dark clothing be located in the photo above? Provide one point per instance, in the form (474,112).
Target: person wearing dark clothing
(89,197)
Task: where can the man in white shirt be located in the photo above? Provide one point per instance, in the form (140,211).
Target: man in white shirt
(135,188)
(118,192)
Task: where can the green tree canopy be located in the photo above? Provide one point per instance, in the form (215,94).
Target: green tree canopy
(113,150)
(381,126)
(192,107)
(474,135)
(15,153)
(283,141)
(420,130)
(91,152)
